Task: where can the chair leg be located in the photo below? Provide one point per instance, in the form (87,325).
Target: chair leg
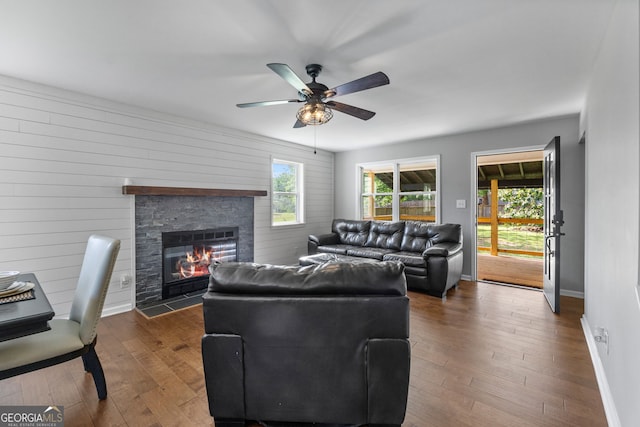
(92,365)
(86,366)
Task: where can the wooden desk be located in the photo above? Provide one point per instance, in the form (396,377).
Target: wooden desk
(21,318)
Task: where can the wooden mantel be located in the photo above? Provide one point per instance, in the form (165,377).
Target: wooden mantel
(143,190)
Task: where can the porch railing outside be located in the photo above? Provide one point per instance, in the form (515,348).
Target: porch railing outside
(521,242)
(488,237)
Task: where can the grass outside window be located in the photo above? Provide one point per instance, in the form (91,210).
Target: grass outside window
(516,237)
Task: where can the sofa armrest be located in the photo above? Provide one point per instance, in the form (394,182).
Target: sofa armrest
(442,249)
(320,240)
(325,239)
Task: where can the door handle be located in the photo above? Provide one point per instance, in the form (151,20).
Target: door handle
(554,234)
(548,237)
(547,241)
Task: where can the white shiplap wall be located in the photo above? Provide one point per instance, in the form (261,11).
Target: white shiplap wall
(64,158)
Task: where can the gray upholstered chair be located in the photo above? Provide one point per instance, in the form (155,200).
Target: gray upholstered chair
(76,336)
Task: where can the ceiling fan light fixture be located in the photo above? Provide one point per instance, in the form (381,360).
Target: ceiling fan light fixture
(314,113)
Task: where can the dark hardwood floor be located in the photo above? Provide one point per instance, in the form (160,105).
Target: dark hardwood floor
(489,356)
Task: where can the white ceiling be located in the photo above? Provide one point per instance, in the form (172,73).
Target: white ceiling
(454,65)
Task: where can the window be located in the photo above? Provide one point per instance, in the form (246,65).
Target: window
(286,193)
(400,190)
(377,192)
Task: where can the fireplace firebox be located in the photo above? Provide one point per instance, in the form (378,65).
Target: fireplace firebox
(186,256)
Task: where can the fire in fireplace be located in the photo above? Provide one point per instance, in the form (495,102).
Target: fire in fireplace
(186,256)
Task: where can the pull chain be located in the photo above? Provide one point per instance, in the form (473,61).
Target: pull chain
(315,139)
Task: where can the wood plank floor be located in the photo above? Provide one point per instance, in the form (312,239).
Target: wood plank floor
(489,356)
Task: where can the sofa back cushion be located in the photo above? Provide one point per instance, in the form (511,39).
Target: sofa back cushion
(445,233)
(351,232)
(416,236)
(419,236)
(385,235)
(331,278)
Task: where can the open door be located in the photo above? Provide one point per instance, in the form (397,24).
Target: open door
(552,222)
(510,217)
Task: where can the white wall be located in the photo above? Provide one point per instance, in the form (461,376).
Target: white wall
(64,158)
(456,183)
(611,121)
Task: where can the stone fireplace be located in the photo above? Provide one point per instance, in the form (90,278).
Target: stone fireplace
(222,223)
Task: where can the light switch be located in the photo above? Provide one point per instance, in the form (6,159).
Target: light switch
(461,204)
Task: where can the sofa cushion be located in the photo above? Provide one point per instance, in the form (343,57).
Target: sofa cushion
(334,249)
(380,278)
(351,232)
(321,258)
(375,253)
(407,258)
(416,236)
(387,235)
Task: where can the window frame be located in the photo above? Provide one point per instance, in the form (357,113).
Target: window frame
(298,193)
(395,166)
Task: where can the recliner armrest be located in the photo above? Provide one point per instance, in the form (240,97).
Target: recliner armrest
(442,249)
(325,239)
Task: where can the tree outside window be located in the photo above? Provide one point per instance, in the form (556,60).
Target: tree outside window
(286,194)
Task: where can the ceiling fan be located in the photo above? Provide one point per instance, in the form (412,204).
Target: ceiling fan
(317,110)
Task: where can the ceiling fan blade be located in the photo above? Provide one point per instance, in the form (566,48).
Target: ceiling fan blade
(351,110)
(367,82)
(290,77)
(298,124)
(267,103)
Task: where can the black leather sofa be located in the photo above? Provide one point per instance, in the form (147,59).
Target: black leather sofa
(431,253)
(323,344)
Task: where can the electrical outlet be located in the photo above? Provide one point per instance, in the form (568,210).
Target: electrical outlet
(461,204)
(601,335)
(125,281)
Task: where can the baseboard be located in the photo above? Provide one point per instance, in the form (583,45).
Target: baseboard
(116,310)
(466,277)
(573,294)
(605,392)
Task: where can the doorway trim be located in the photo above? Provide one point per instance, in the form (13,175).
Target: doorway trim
(474,196)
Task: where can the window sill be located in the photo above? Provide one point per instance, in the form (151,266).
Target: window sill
(288,225)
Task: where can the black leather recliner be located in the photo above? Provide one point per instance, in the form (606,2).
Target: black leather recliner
(316,344)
